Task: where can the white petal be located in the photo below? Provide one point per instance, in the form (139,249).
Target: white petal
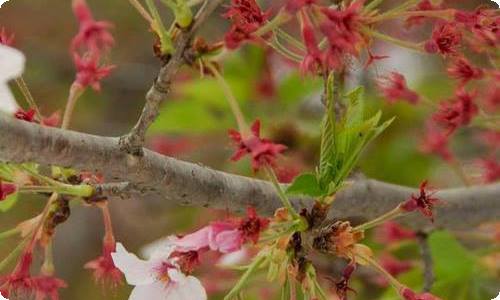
(8,103)
(160,245)
(154,291)
(11,63)
(136,271)
(189,289)
(233,258)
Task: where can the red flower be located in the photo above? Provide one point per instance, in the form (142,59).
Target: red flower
(252,226)
(19,282)
(408,294)
(424,202)
(394,89)
(423,5)
(28,116)
(436,142)
(47,287)
(492,97)
(262,151)
(104,268)
(483,24)
(89,73)
(391,232)
(187,261)
(293,6)
(312,60)
(491,170)
(464,71)
(453,114)
(342,29)
(5,38)
(246,17)
(93,36)
(445,39)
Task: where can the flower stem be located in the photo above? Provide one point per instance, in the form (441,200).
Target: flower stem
(393,281)
(284,199)
(75,92)
(279,19)
(138,6)
(372,5)
(396,212)
(231,99)
(244,278)
(27,95)
(390,39)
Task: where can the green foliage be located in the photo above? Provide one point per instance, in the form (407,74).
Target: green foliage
(8,202)
(459,274)
(342,140)
(305,184)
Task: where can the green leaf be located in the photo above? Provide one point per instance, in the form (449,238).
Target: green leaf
(8,203)
(305,184)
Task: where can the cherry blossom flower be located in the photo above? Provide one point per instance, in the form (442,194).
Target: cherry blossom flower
(445,39)
(6,189)
(458,112)
(224,236)
(47,287)
(158,278)
(408,294)
(491,169)
(392,232)
(394,88)
(462,70)
(11,67)
(19,282)
(5,38)
(435,142)
(262,151)
(343,32)
(93,36)
(246,17)
(424,202)
(89,73)
(103,267)
(483,24)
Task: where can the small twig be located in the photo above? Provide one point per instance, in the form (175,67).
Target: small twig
(425,251)
(133,142)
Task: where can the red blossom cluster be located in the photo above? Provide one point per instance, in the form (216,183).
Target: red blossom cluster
(424,5)
(262,151)
(246,17)
(457,112)
(6,38)
(88,47)
(6,189)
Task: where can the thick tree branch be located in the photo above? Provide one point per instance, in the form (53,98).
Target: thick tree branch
(155,176)
(133,142)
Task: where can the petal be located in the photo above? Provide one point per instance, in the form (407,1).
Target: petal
(233,258)
(229,241)
(155,291)
(159,248)
(190,289)
(136,271)
(194,241)
(8,103)
(11,63)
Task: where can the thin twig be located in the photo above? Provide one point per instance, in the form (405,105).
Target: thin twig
(425,251)
(133,142)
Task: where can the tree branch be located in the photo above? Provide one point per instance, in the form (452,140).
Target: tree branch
(423,242)
(155,176)
(133,142)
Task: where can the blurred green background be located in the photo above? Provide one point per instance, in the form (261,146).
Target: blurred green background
(193,126)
